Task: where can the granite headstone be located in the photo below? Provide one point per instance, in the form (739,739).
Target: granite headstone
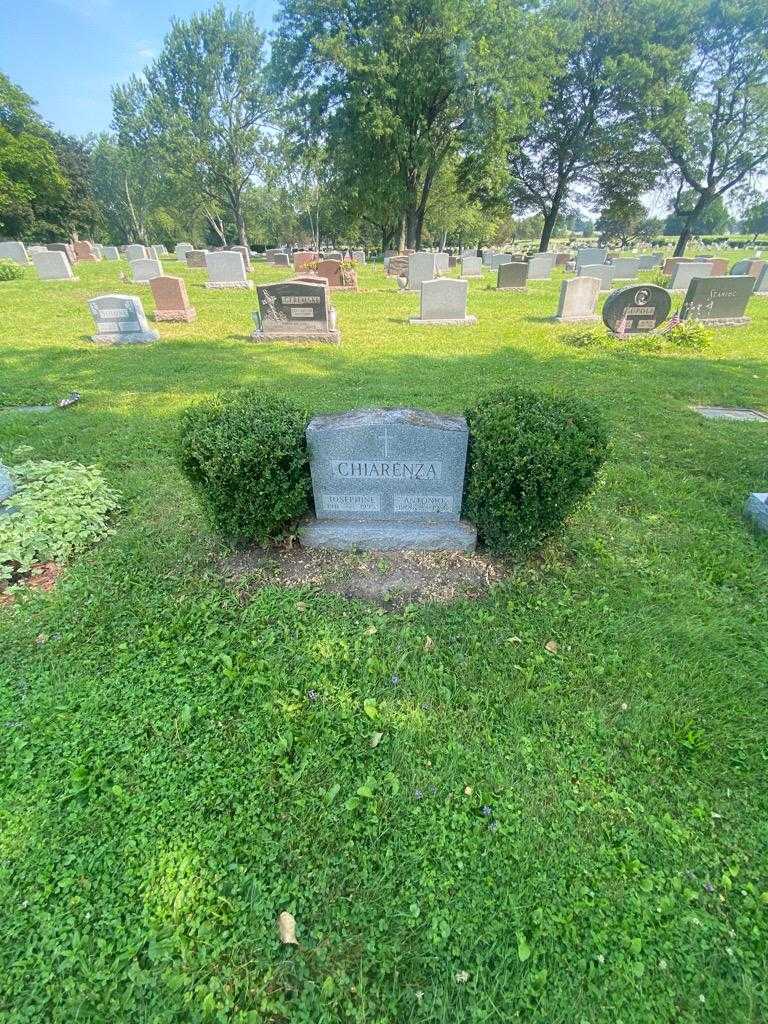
(295,310)
(638,309)
(444,303)
(120,320)
(387,479)
(718,301)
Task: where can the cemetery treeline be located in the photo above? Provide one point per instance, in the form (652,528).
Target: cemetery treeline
(387,123)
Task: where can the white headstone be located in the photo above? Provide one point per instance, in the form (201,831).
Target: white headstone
(684,273)
(135,252)
(52,266)
(226,270)
(144,270)
(444,302)
(14,251)
(111,252)
(471,266)
(182,249)
(578,299)
(421,267)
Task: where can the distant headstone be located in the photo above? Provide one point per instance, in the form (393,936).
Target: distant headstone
(144,270)
(718,301)
(335,255)
(761,284)
(421,267)
(562,259)
(245,252)
(339,278)
(64,247)
(684,273)
(171,300)
(625,268)
(281,259)
(540,266)
(53,266)
(602,271)
(471,266)
(498,259)
(638,309)
(719,267)
(590,255)
(672,261)
(196,258)
(303,258)
(444,303)
(747,268)
(111,252)
(181,250)
(387,479)
(99,250)
(226,270)
(442,262)
(295,311)
(160,249)
(755,268)
(86,252)
(578,299)
(120,320)
(397,266)
(756,511)
(135,252)
(14,251)
(512,277)
(358,255)
(648,261)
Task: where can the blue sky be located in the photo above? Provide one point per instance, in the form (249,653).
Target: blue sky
(67,54)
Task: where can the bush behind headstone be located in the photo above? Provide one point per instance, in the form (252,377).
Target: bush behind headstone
(246,456)
(10,271)
(531,458)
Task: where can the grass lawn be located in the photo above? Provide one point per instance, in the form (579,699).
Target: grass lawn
(572,837)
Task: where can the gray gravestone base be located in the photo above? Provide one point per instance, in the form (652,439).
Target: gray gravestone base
(575,319)
(467,321)
(734,321)
(137,338)
(756,512)
(218,285)
(366,536)
(328,337)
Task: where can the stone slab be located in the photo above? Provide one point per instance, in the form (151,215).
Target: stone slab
(120,320)
(756,511)
(363,536)
(724,412)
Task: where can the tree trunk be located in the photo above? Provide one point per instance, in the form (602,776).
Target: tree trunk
(685,235)
(402,242)
(549,224)
(237,211)
(412,228)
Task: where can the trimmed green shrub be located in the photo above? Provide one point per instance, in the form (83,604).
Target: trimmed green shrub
(59,510)
(10,271)
(531,458)
(246,456)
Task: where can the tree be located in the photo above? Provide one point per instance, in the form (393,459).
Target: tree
(204,101)
(32,186)
(81,213)
(710,220)
(713,119)
(626,221)
(755,218)
(590,131)
(393,88)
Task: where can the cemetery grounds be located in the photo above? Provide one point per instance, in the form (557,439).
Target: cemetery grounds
(545,805)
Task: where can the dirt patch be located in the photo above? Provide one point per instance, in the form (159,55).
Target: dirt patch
(390,579)
(42,576)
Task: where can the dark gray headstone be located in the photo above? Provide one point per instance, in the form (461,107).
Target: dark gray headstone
(293,310)
(637,309)
(120,320)
(719,301)
(512,276)
(388,479)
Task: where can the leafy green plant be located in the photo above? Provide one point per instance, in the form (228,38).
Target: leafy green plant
(59,510)
(588,337)
(10,271)
(531,457)
(687,334)
(246,457)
